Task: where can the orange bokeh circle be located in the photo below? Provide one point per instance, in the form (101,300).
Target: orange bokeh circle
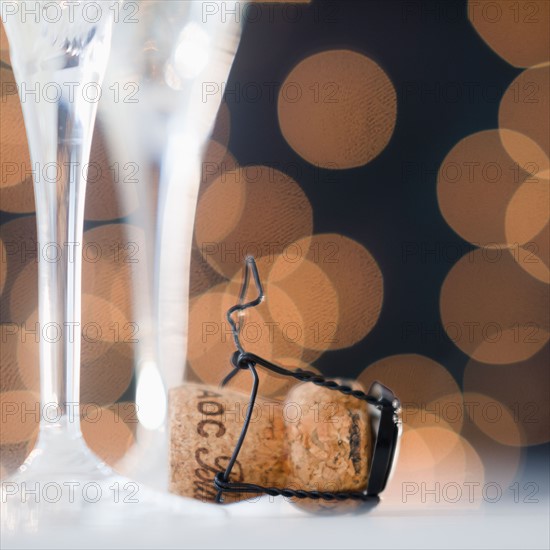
(257,211)
(337,109)
(525,110)
(429,395)
(517,31)
(492,309)
(476,182)
(354,275)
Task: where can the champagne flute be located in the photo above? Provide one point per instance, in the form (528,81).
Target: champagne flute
(64,46)
(60,51)
(167,58)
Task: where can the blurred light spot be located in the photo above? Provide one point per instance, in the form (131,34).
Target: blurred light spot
(106,433)
(534,256)
(527,228)
(18,199)
(442,442)
(306,302)
(218,212)
(16,185)
(104,379)
(337,109)
(14,150)
(217,162)
(222,126)
(104,197)
(103,326)
(493,418)
(414,452)
(28,353)
(205,322)
(100,332)
(23,297)
(354,274)
(476,181)
(287,339)
(4,45)
(501,461)
(13,455)
(517,31)
(527,156)
(445,411)
(10,378)
(210,344)
(522,389)
(257,211)
(436,468)
(428,393)
(111,257)
(3,266)
(202,277)
(528,211)
(311,355)
(524,108)
(150,397)
(19,238)
(20,416)
(492,310)
(192,51)
(279,386)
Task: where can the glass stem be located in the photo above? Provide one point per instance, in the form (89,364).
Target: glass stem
(60,139)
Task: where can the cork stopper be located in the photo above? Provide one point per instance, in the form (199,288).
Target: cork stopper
(316,440)
(330,446)
(205,424)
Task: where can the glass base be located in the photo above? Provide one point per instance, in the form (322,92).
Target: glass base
(63,482)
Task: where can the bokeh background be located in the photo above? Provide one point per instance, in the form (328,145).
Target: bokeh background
(387,163)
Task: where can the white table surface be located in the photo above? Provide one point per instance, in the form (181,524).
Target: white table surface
(278,524)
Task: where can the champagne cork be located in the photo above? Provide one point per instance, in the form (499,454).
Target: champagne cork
(205,424)
(316,440)
(330,448)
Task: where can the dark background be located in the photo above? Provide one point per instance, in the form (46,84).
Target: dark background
(390,204)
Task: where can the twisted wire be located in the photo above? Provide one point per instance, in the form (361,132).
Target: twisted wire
(243,360)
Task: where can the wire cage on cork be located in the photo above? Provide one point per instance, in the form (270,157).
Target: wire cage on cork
(226,449)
